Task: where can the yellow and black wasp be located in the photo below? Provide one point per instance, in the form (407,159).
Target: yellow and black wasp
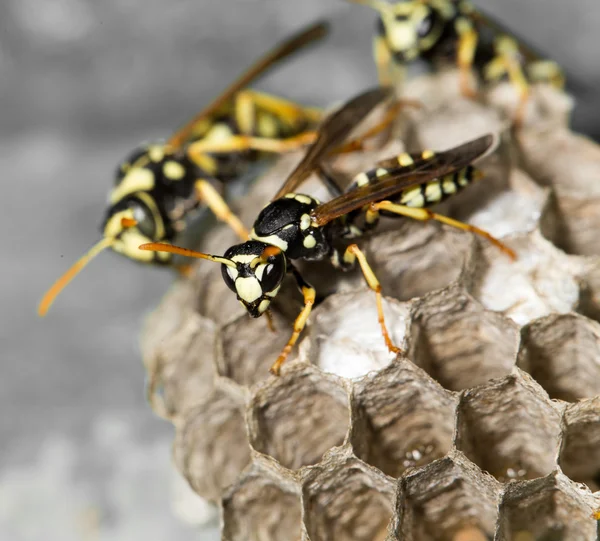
(158,185)
(297,226)
(454,31)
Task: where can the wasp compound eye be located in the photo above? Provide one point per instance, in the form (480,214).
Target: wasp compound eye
(426,25)
(271,274)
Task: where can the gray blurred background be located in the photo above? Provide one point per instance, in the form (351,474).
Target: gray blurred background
(82,83)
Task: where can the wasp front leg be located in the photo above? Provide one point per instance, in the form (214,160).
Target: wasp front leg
(309,294)
(383,61)
(467,45)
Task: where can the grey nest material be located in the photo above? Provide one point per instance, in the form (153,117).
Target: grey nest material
(488,426)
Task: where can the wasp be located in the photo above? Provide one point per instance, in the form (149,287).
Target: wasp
(454,31)
(158,185)
(297,226)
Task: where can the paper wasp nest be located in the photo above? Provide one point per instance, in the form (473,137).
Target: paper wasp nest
(488,427)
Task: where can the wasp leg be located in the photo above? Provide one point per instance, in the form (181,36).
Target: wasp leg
(241,143)
(383,61)
(208,195)
(286,111)
(309,294)
(352,254)
(422,214)
(508,64)
(270,322)
(467,45)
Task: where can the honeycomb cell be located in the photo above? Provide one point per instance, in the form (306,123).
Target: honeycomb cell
(540,282)
(562,353)
(250,347)
(263,504)
(549,508)
(345,335)
(458,342)
(509,428)
(179,377)
(402,419)
(211,444)
(446,500)
(416,258)
(346,500)
(580,451)
(296,417)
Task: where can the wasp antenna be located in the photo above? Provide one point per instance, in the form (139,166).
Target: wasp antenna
(170,248)
(61,283)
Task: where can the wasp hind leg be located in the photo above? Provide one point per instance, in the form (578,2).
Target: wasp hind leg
(309,294)
(352,254)
(423,214)
(213,200)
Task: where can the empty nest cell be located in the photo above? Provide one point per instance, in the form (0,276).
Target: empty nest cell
(263,504)
(346,500)
(402,419)
(552,508)
(580,451)
(509,428)
(562,353)
(211,444)
(446,500)
(295,418)
(458,342)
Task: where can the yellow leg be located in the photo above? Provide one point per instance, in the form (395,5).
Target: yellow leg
(309,299)
(288,111)
(422,214)
(383,61)
(467,45)
(241,143)
(353,253)
(270,322)
(208,195)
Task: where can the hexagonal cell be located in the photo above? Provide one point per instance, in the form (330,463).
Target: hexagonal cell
(459,343)
(346,500)
(298,416)
(446,501)
(181,369)
(580,451)
(540,282)
(416,258)
(264,504)
(552,508)
(249,347)
(402,419)
(562,353)
(211,444)
(345,336)
(509,428)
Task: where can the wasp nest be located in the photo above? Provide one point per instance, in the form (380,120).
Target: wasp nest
(487,427)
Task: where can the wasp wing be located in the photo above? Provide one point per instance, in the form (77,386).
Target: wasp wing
(332,132)
(288,47)
(400,178)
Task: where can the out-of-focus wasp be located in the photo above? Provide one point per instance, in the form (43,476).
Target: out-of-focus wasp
(439,31)
(158,185)
(297,226)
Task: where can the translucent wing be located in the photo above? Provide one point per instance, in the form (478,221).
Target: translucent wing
(288,47)
(401,178)
(332,132)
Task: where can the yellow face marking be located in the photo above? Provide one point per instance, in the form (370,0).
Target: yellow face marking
(274,292)
(426,154)
(309,242)
(243,258)
(259,271)
(405,159)
(304,222)
(248,289)
(137,179)
(156,153)
(114,226)
(173,170)
(264,304)
(433,192)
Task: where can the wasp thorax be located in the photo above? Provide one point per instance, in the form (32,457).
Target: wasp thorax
(255,274)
